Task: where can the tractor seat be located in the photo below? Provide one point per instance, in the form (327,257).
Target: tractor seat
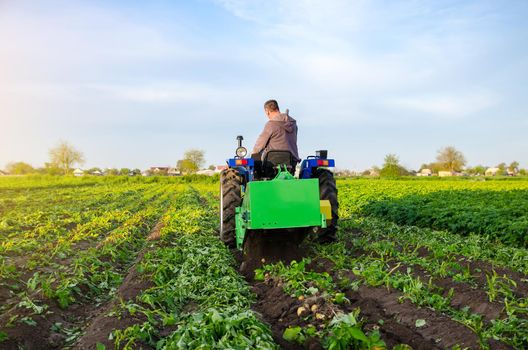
(272,159)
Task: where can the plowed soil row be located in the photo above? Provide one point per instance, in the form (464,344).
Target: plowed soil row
(480,270)
(381,308)
(42,332)
(108,318)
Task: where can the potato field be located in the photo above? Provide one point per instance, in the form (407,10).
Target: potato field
(136,263)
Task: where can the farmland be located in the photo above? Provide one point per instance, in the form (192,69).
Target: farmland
(98,263)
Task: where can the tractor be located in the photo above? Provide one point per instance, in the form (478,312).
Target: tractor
(266,211)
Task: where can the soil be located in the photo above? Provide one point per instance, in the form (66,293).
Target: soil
(381,308)
(271,246)
(86,315)
(399,318)
(463,293)
(480,269)
(105,320)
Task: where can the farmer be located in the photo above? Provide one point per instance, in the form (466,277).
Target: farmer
(280,133)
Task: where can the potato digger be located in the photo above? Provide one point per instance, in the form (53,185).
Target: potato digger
(266,211)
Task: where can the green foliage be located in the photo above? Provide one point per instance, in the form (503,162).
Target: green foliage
(192,161)
(391,167)
(449,158)
(220,329)
(299,281)
(495,209)
(64,156)
(19,168)
(345,333)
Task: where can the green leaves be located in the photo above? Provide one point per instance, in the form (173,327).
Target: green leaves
(293,334)
(3,336)
(196,292)
(420,323)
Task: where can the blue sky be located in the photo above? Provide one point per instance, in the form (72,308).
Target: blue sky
(134,84)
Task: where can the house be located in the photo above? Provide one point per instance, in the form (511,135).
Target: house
(492,171)
(174,172)
(78,172)
(425,172)
(159,170)
(207,172)
(220,168)
(445,173)
(97,173)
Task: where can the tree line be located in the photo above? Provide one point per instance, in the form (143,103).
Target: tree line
(64,157)
(448,159)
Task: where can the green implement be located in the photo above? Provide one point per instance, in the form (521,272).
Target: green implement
(282,203)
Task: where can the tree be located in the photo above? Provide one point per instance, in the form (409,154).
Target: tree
(211,167)
(124,171)
(477,170)
(514,167)
(111,172)
(19,168)
(136,172)
(64,156)
(523,172)
(451,159)
(50,169)
(192,161)
(391,167)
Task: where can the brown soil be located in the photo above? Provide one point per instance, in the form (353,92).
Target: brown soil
(77,316)
(399,318)
(480,269)
(463,293)
(278,310)
(266,247)
(156,232)
(105,320)
(109,318)
(380,309)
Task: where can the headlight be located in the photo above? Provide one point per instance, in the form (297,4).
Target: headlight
(241,152)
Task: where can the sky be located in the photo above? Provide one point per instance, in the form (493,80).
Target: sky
(136,83)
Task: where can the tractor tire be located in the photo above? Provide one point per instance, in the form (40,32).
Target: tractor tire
(328,191)
(230,198)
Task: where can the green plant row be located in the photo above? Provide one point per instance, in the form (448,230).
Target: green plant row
(442,244)
(91,275)
(375,270)
(495,209)
(197,297)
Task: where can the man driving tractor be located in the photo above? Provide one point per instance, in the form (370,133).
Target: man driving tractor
(280,133)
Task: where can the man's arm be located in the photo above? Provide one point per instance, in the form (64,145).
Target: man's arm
(262,140)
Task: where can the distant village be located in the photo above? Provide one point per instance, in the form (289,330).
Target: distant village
(66,160)
(151,171)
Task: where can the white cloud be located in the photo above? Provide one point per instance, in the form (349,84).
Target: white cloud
(445,106)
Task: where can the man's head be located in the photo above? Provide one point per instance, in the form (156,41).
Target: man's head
(271,108)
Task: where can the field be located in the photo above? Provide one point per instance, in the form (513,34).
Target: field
(103,263)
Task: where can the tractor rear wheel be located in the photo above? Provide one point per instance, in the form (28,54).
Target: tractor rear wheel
(230,198)
(328,191)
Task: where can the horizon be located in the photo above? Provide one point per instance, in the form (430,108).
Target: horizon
(134,85)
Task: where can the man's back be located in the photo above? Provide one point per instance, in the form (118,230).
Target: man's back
(280,133)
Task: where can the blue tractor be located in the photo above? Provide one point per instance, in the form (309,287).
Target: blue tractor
(264,202)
